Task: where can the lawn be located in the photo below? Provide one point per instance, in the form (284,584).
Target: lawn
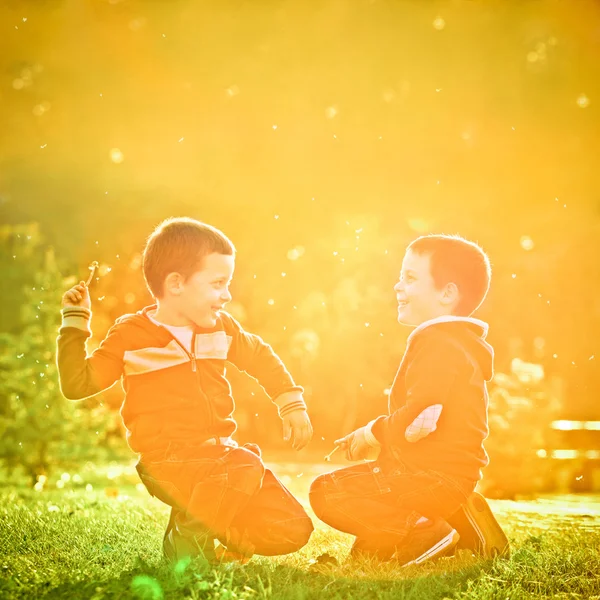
(98,535)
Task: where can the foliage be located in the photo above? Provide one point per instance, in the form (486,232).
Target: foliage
(39,428)
(522,405)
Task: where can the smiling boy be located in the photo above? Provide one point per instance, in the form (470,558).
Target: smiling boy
(178,406)
(431,442)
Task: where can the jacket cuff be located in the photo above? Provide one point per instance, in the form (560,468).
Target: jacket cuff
(377,428)
(290,401)
(369,436)
(77,317)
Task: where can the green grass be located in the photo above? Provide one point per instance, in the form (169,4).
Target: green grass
(78,543)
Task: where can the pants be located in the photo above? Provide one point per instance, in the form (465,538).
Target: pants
(226,493)
(380,501)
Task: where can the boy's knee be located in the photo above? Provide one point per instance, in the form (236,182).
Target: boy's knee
(302,533)
(246,470)
(318,495)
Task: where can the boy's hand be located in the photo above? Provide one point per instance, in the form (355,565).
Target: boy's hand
(356,446)
(78,295)
(298,425)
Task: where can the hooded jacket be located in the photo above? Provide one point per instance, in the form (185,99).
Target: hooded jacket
(447,362)
(171,394)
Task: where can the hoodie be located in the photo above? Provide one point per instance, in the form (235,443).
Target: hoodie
(447,363)
(172,394)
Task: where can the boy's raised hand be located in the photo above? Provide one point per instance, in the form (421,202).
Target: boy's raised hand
(298,428)
(78,295)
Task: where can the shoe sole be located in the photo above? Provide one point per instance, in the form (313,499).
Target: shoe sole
(492,539)
(442,547)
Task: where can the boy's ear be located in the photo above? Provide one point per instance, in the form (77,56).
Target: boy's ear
(450,294)
(173,283)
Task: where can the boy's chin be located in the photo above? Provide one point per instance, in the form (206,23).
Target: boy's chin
(207,321)
(405,319)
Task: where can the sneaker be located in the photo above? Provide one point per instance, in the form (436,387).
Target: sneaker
(479,530)
(222,555)
(177,546)
(427,541)
(369,550)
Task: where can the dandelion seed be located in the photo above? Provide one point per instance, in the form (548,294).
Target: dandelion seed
(439,23)
(526,243)
(583,101)
(116,156)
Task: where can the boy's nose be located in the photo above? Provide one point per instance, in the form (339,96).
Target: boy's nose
(226,296)
(398,287)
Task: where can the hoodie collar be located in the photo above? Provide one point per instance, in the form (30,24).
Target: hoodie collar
(451,319)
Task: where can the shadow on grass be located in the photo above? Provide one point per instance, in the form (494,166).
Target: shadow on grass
(268,579)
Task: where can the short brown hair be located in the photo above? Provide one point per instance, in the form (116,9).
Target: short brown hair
(179,245)
(457,260)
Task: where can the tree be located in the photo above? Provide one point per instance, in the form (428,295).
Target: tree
(522,406)
(39,428)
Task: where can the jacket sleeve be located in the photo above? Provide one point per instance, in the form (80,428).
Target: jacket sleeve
(81,376)
(249,353)
(429,377)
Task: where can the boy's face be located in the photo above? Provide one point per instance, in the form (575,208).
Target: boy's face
(206,291)
(418,298)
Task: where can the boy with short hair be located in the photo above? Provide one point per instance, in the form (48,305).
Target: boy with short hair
(431,442)
(178,404)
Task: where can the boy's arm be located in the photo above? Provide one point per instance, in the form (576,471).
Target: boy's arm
(80,375)
(249,353)
(428,379)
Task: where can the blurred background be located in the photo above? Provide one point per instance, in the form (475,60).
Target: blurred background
(321,137)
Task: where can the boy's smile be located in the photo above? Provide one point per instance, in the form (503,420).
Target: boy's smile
(198,299)
(419,300)
(205,292)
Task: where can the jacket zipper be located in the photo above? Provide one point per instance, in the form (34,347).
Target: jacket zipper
(192,356)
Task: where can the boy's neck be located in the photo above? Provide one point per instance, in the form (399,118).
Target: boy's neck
(168,316)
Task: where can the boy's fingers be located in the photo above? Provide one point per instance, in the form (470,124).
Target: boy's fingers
(287,430)
(303,438)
